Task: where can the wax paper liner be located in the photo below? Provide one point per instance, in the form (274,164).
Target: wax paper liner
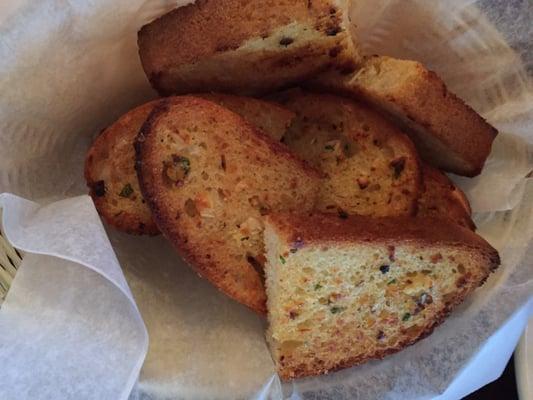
(70,327)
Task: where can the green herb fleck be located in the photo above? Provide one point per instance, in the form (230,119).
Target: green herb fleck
(245,238)
(126,191)
(406,316)
(329,147)
(384,268)
(177,169)
(285,41)
(183,162)
(318,286)
(342,214)
(391,282)
(336,309)
(282,259)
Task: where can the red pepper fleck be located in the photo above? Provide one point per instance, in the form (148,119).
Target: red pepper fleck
(436,258)
(391,250)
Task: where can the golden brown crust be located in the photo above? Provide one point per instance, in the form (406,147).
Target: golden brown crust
(448,133)
(111,178)
(110,161)
(412,248)
(249,293)
(316,227)
(441,197)
(203,22)
(258,44)
(287,374)
(203,211)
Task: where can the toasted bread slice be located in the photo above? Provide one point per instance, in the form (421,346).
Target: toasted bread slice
(209,176)
(370,167)
(268,116)
(111,177)
(441,198)
(245,47)
(341,292)
(447,132)
(109,165)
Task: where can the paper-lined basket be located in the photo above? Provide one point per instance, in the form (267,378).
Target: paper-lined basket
(68,69)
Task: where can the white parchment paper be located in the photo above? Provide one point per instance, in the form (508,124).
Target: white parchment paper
(70,327)
(69,68)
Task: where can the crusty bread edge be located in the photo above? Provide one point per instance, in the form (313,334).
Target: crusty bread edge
(401,112)
(387,230)
(196,263)
(488,252)
(147,230)
(458,195)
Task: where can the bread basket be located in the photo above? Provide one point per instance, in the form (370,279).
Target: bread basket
(10,260)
